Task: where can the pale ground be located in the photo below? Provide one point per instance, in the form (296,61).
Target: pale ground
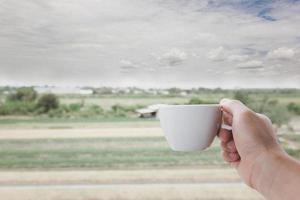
(202,175)
(133,192)
(79,133)
(125,184)
(202,183)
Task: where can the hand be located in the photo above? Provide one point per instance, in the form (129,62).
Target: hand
(252,139)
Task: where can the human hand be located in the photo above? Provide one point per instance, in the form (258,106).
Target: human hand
(251,140)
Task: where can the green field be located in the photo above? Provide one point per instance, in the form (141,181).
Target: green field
(57,123)
(107,101)
(105,153)
(117,153)
(102,153)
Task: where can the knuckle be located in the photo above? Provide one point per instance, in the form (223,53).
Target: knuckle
(264,117)
(246,113)
(247,116)
(234,102)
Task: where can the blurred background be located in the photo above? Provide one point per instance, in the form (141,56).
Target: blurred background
(106,143)
(81,83)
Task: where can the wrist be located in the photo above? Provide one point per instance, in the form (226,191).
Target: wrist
(266,169)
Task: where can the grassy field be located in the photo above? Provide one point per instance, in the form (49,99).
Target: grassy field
(57,123)
(107,101)
(102,153)
(106,153)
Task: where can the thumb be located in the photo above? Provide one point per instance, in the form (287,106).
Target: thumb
(233,107)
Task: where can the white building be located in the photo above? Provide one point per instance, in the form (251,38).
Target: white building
(63,90)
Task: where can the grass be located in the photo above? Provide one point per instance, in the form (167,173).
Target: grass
(71,120)
(35,122)
(100,153)
(107,101)
(105,153)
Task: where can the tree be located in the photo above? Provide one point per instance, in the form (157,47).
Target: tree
(242,96)
(27,94)
(195,101)
(48,102)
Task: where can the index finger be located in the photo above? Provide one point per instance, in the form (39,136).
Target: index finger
(233,107)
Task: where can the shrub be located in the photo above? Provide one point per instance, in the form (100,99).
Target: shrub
(91,111)
(48,102)
(58,112)
(294,108)
(195,101)
(119,111)
(96,109)
(242,96)
(17,108)
(23,94)
(278,113)
(75,107)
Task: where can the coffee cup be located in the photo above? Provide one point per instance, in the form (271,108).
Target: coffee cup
(190,127)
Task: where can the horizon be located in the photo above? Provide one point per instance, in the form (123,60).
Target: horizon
(147,88)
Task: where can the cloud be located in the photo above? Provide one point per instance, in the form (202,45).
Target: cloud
(236,57)
(252,64)
(119,42)
(174,57)
(217,54)
(206,37)
(222,54)
(128,66)
(283,53)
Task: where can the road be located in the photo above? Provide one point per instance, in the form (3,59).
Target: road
(130,191)
(79,133)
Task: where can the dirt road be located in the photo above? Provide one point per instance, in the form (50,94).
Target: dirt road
(80,133)
(222,191)
(124,184)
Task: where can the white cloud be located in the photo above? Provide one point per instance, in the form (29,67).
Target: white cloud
(217,54)
(252,64)
(98,34)
(206,37)
(174,57)
(283,53)
(128,66)
(236,57)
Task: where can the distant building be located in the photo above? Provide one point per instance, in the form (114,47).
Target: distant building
(164,92)
(63,90)
(150,111)
(183,93)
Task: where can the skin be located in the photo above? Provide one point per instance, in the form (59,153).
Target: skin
(253,149)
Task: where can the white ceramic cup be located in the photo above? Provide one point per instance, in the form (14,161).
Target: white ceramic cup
(190,127)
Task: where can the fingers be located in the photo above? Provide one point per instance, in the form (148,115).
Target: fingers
(229,150)
(232,106)
(225,135)
(230,157)
(229,146)
(227,118)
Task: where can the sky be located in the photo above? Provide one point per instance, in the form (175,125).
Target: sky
(150,43)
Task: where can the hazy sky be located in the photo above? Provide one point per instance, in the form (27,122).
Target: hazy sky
(150,43)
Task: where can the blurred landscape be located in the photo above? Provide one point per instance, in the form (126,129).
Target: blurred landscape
(81,83)
(95,143)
